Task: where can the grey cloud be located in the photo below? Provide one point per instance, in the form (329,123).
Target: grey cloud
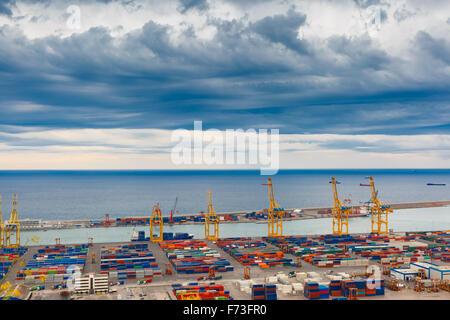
(143,79)
(283,29)
(437,48)
(5,8)
(186,5)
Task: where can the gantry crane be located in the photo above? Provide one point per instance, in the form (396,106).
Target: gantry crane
(12,227)
(379,211)
(156,219)
(340,212)
(275,214)
(211,218)
(173,211)
(2,226)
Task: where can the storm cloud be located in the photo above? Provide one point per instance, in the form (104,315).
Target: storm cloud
(163,66)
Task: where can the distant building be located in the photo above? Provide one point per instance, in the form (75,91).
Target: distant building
(30,223)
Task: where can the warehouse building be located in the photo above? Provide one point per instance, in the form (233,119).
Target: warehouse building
(440,272)
(405,274)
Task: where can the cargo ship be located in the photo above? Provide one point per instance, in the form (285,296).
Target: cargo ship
(436,184)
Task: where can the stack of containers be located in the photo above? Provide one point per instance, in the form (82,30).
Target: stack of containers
(8,257)
(335,288)
(270,291)
(253,253)
(57,263)
(205,291)
(176,236)
(194,256)
(256,216)
(133,221)
(359,284)
(374,287)
(133,261)
(324,292)
(258,292)
(312,291)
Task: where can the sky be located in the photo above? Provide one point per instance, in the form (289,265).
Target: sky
(103,84)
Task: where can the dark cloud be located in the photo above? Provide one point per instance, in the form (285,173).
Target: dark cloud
(283,29)
(437,48)
(248,75)
(186,5)
(5,8)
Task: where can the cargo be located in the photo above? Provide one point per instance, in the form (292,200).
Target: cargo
(193,256)
(134,261)
(55,263)
(202,291)
(253,253)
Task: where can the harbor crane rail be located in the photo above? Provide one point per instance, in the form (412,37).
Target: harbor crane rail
(156,219)
(340,212)
(12,227)
(379,212)
(275,214)
(211,218)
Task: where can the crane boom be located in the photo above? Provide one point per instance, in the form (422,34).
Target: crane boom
(340,212)
(379,211)
(211,218)
(275,213)
(12,227)
(156,219)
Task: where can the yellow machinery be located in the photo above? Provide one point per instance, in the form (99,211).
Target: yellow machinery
(275,214)
(156,219)
(12,228)
(2,226)
(394,285)
(8,291)
(340,212)
(379,211)
(211,218)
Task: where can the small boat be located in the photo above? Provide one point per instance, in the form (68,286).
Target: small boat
(436,184)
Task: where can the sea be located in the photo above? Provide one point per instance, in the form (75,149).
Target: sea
(52,195)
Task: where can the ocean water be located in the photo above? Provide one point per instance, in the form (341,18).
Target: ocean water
(52,195)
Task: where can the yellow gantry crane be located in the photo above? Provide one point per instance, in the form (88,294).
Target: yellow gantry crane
(340,212)
(12,227)
(379,211)
(156,219)
(2,226)
(275,214)
(211,218)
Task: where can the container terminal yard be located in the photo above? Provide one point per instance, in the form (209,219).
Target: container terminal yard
(157,265)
